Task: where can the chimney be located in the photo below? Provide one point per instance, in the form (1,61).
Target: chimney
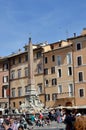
(74,34)
(29,39)
(83,31)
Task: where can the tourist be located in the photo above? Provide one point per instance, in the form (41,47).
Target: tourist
(69,119)
(20,127)
(13,125)
(6,125)
(58,115)
(33,117)
(80,123)
(40,115)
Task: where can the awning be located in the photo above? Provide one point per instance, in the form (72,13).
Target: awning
(71,107)
(81,107)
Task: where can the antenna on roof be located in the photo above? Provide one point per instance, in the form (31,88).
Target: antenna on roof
(29,34)
(67,34)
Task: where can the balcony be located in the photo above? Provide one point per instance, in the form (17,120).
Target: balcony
(3,100)
(5,84)
(65,95)
(30,92)
(27,93)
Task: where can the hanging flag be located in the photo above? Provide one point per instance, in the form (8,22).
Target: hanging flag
(7,92)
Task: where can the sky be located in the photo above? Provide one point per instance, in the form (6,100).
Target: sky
(42,20)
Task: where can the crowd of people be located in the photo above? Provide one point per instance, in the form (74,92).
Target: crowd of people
(9,124)
(73,120)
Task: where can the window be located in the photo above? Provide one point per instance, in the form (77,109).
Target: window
(54,81)
(5,91)
(54,96)
(52,46)
(80,74)
(52,70)
(59,73)
(20,102)
(19,91)
(13,104)
(46,71)
(13,61)
(46,60)
(19,73)
(78,46)
(60,44)
(47,97)
(60,89)
(69,71)
(40,88)
(13,92)
(53,58)
(26,57)
(26,71)
(81,92)
(5,79)
(70,89)
(46,83)
(12,74)
(69,58)
(19,59)
(5,66)
(58,60)
(39,66)
(79,60)
(26,89)
(38,54)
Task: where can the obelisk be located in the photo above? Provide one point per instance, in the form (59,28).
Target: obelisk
(32,98)
(31,80)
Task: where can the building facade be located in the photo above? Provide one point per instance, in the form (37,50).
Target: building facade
(59,74)
(79,65)
(4,82)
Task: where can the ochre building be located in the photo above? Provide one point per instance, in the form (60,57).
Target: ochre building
(59,74)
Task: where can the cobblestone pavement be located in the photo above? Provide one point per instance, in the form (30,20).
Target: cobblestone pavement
(53,126)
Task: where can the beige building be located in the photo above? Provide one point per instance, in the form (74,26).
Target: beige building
(19,71)
(4,82)
(18,78)
(79,65)
(59,73)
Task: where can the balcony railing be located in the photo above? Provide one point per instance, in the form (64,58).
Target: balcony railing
(5,83)
(31,93)
(65,95)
